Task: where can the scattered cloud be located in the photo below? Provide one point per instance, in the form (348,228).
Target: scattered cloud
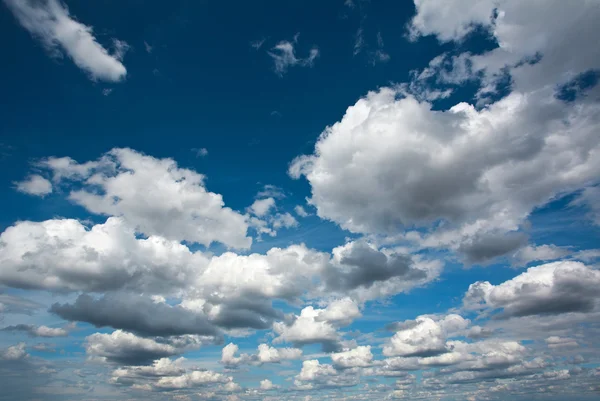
(50,22)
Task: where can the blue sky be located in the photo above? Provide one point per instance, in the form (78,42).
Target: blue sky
(299,201)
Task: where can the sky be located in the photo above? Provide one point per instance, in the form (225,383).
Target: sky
(299,201)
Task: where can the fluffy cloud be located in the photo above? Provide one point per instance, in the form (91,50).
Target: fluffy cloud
(167,375)
(38,331)
(50,22)
(35,185)
(268,354)
(265,354)
(553,288)
(543,32)
(459,166)
(64,255)
(154,195)
(359,357)
(318,325)
(267,385)
(261,207)
(423,337)
(137,314)
(126,348)
(14,353)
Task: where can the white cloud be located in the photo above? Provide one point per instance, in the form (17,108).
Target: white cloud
(284,220)
(35,185)
(127,348)
(549,289)
(154,195)
(315,326)
(267,385)
(265,354)
(268,354)
(261,207)
(359,357)
(300,211)
(51,23)
(391,163)
(284,56)
(65,255)
(523,31)
(424,337)
(14,353)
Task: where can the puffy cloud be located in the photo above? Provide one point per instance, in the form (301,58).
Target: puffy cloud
(38,331)
(154,195)
(318,325)
(315,375)
(137,314)
(542,32)
(549,289)
(126,348)
(393,162)
(265,354)
(359,357)
(423,337)
(268,354)
(50,22)
(267,385)
(64,255)
(167,375)
(35,185)
(300,211)
(14,353)
(261,207)
(284,56)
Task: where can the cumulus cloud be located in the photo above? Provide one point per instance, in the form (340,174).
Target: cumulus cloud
(128,349)
(154,195)
(65,255)
(14,352)
(549,289)
(458,166)
(359,357)
(318,326)
(261,207)
(50,22)
(300,211)
(167,375)
(137,314)
(38,331)
(467,175)
(423,337)
(265,354)
(35,185)
(534,39)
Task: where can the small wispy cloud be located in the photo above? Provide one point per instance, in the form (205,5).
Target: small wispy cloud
(200,152)
(257,44)
(284,56)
